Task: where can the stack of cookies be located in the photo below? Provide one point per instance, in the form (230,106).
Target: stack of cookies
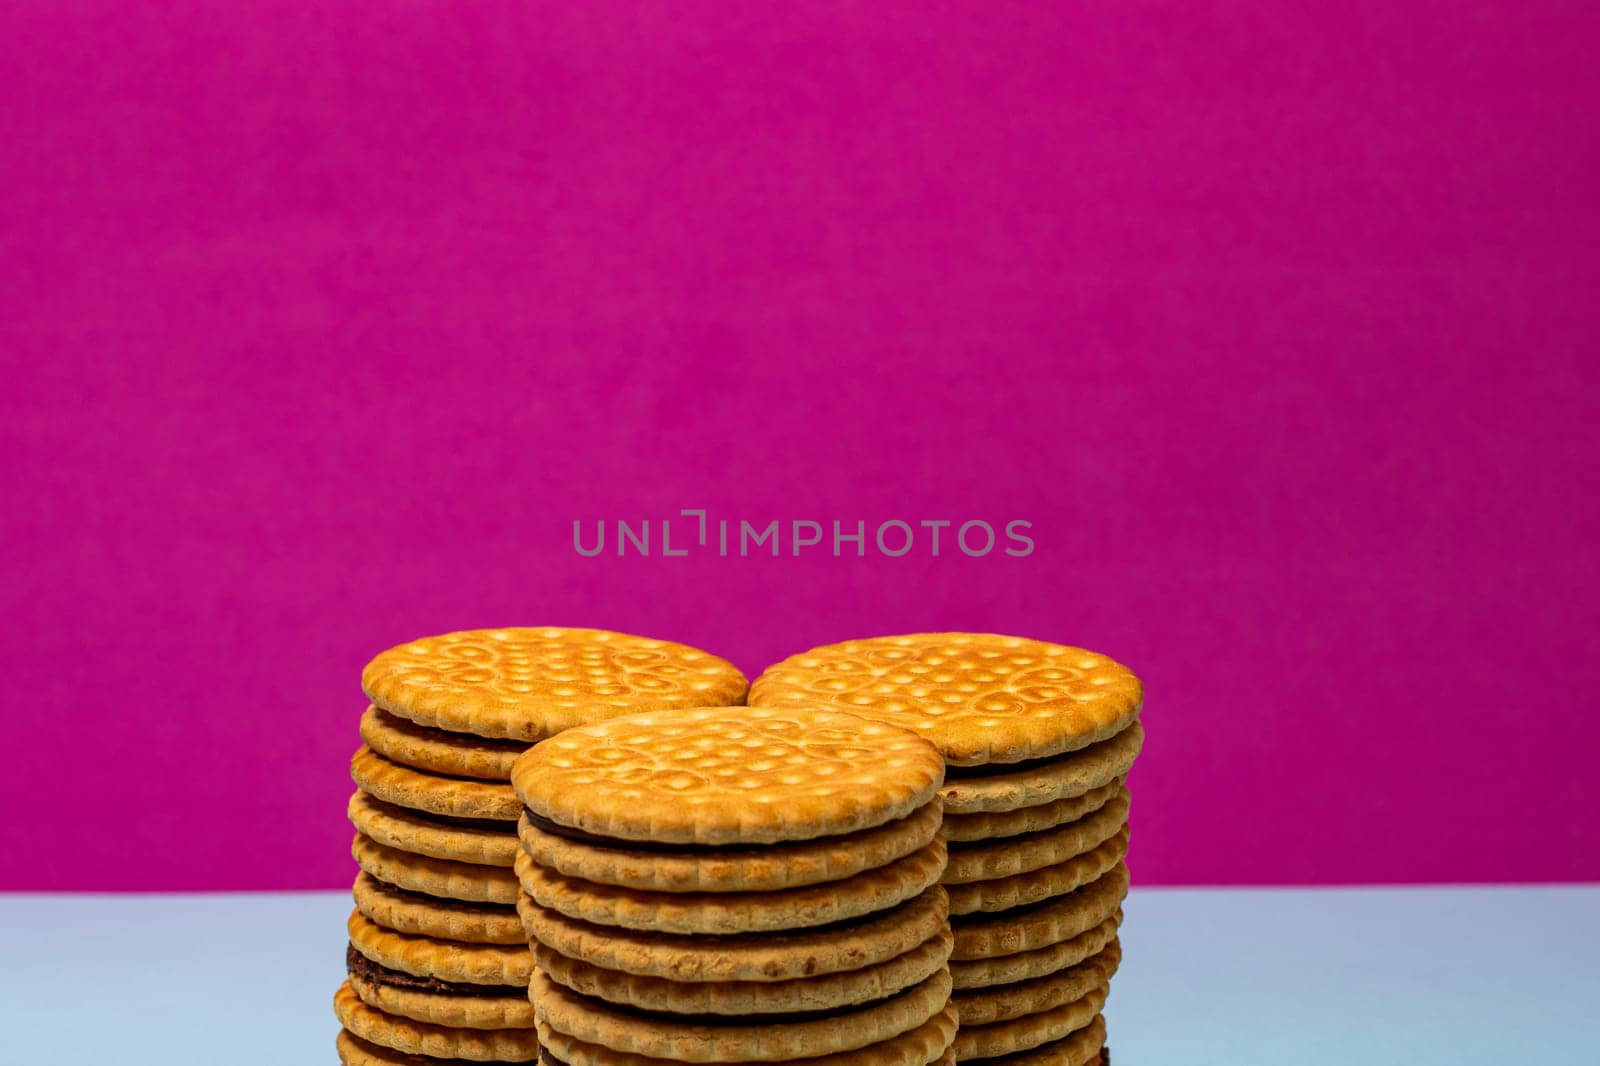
(1038,738)
(438,963)
(736,886)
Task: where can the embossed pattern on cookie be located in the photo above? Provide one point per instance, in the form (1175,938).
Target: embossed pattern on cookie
(719,776)
(979,697)
(530,683)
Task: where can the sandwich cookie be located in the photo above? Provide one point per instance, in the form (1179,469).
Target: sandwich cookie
(1084,1047)
(411,1037)
(928,1044)
(1030,1030)
(445,919)
(734,1038)
(439,751)
(481,843)
(726,869)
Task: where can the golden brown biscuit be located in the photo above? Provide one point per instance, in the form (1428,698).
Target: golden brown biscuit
(789,956)
(434,877)
(455,1009)
(444,960)
(1028,1031)
(998,789)
(926,1045)
(979,697)
(406,830)
(1002,1003)
(1020,890)
(425,1038)
(1082,1048)
(448,797)
(719,776)
(595,1022)
(805,994)
(976,828)
(759,868)
(411,912)
(439,751)
(721,913)
(354,1051)
(1039,962)
(531,683)
(988,936)
(1007,857)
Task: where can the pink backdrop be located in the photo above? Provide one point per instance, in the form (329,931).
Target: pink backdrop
(320,328)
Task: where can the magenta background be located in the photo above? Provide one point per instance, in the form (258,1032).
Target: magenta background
(320,328)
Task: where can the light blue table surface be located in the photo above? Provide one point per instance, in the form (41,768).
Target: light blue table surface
(1404,976)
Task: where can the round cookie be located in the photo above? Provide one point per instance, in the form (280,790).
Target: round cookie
(753,1039)
(425,1038)
(1020,890)
(1039,962)
(722,913)
(979,697)
(806,994)
(443,960)
(1037,783)
(405,830)
(1008,856)
(460,1010)
(719,776)
(434,877)
(988,936)
(530,683)
(354,1051)
(409,912)
(448,797)
(976,828)
(439,751)
(732,869)
(1028,1031)
(789,956)
(929,1044)
(1086,1047)
(1006,1002)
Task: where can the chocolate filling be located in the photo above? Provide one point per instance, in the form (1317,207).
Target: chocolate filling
(716,1021)
(580,836)
(450,736)
(361,966)
(453,904)
(991,769)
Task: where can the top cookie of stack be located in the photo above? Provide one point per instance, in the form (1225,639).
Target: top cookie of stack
(736,886)
(438,964)
(1038,738)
